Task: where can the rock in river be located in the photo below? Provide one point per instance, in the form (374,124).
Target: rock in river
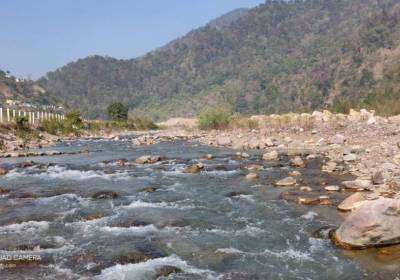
(357,185)
(3,171)
(288,181)
(251,176)
(273,155)
(105,195)
(375,223)
(297,162)
(147,159)
(196,168)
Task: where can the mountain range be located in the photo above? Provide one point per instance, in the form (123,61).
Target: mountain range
(280,56)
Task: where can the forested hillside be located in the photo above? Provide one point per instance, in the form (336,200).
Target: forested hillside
(23,90)
(280,56)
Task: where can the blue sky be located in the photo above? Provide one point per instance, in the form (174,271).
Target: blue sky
(38,36)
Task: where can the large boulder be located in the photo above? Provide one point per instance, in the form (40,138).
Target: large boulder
(353,202)
(375,223)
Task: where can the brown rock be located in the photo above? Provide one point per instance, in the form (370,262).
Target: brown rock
(3,171)
(147,159)
(288,181)
(196,168)
(270,156)
(377,178)
(167,270)
(150,189)
(357,185)
(353,202)
(373,224)
(251,176)
(105,195)
(297,162)
(332,188)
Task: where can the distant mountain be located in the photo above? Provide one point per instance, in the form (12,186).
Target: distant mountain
(280,56)
(22,90)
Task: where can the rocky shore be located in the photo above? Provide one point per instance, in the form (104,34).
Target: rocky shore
(360,144)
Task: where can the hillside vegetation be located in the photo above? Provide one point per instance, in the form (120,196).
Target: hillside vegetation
(280,56)
(23,91)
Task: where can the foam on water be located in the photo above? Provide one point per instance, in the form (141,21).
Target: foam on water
(143,204)
(61,172)
(310,215)
(131,230)
(147,270)
(25,227)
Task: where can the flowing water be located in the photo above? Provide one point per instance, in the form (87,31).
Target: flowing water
(212,225)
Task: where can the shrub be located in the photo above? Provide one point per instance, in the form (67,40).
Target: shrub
(23,129)
(243,122)
(118,112)
(214,118)
(73,123)
(141,123)
(55,127)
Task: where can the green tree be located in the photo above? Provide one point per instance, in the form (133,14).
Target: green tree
(118,111)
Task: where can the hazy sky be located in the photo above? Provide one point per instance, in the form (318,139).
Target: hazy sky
(38,36)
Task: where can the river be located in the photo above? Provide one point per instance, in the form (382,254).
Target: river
(85,216)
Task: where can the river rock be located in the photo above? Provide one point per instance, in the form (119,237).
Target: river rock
(329,167)
(150,189)
(167,270)
(338,139)
(297,162)
(377,178)
(396,159)
(244,155)
(352,202)
(357,185)
(294,173)
(147,159)
(320,200)
(254,143)
(270,156)
(105,195)
(251,176)
(196,168)
(268,142)
(305,189)
(4,191)
(3,171)
(223,141)
(254,167)
(288,181)
(332,188)
(350,157)
(121,162)
(374,223)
